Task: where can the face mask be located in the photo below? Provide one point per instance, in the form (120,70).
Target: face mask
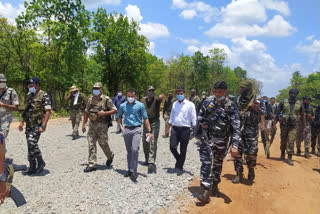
(265,101)
(150,94)
(96,92)
(75,94)
(130,99)
(306,105)
(221,98)
(3,85)
(119,94)
(292,97)
(180,97)
(32,90)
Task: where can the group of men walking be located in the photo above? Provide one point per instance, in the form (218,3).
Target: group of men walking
(219,123)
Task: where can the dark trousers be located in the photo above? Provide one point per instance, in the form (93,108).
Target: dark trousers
(179,135)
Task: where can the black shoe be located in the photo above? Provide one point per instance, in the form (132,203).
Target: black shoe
(215,191)
(151,168)
(41,165)
(74,137)
(145,163)
(32,168)
(134,176)
(90,169)
(127,174)
(204,197)
(179,172)
(118,132)
(290,160)
(109,161)
(282,157)
(298,152)
(238,178)
(251,175)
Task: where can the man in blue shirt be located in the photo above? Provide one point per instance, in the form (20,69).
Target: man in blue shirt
(134,114)
(117,101)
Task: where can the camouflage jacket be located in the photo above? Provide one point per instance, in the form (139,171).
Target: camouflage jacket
(96,104)
(8,96)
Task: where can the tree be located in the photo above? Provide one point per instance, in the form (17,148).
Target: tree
(240,73)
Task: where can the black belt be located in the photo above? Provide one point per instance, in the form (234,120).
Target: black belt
(132,127)
(181,127)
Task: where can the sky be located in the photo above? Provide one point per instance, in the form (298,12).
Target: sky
(270,39)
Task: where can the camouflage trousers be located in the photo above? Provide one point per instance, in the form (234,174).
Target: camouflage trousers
(5,121)
(249,146)
(98,132)
(75,116)
(150,149)
(304,136)
(166,120)
(288,137)
(33,136)
(212,153)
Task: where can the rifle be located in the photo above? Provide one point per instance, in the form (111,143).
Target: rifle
(6,177)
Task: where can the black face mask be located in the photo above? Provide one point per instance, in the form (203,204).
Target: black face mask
(306,105)
(292,97)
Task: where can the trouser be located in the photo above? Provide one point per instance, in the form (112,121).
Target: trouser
(212,153)
(288,137)
(5,121)
(75,116)
(315,137)
(150,149)
(118,127)
(132,138)
(265,133)
(98,132)
(304,136)
(249,146)
(166,120)
(179,135)
(33,136)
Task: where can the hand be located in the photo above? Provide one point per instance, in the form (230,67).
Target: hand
(167,132)
(262,127)
(234,152)
(20,127)
(2,104)
(122,129)
(205,126)
(101,113)
(84,128)
(149,135)
(41,130)
(4,192)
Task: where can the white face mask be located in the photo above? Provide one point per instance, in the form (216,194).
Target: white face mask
(119,94)
(32,90)
(3,85)
(131,99)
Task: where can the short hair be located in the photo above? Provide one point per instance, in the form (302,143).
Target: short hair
(265,97)
(131,90)
(180,88)
(272,98)
(220,85)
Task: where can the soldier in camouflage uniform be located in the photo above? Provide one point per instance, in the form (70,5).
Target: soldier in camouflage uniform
(36,116)
(77,104)
(251,111)
(99,110)
(305,136)
(316,130)
(9,102)
(152,106)
(268,126)
(274,107)
(220,124)
(167,109)
(289,113)
(195,99)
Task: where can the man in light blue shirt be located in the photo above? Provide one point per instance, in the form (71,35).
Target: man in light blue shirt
(134,115)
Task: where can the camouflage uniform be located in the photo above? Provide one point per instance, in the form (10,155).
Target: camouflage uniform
(274,114)
(305,136)
(289,119)
(167,110)
(98,127)
(9,97)
(33,116)
(75,112)
(221,119)
(316,131)
(196,101)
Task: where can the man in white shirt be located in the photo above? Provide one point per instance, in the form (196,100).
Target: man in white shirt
(183,116)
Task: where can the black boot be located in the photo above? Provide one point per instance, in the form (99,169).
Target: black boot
(109,161)
(290,160)
(215,190)
(41,164)
(282,157)
(33,167)
(238,178)
(298,152)
(205,196)
(251,175)
(306,153)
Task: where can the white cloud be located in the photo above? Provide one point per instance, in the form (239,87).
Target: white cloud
(196,9)
(96,3)
(133,12)
(10,12)
(154,30)
(151,47)
(189,41)
(312,51)
(309,38)
(279,6)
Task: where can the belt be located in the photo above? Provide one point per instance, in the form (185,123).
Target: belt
(131,127)
(181,127)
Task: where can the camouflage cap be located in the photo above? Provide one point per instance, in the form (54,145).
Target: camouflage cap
(33,80)
(193,90)
(3,78)
(73,88)
(203,94)
(97,85)
(150,87)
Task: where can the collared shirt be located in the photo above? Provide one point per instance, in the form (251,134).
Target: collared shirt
(118,100)
(183,114)
(134,114)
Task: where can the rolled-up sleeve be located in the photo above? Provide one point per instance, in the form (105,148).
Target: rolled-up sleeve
(235,124)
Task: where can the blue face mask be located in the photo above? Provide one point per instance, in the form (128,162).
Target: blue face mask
(265,101)
(221,98)
(96,92)
(32,90)
(180,97)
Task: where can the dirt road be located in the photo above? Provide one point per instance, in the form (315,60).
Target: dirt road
(278,188)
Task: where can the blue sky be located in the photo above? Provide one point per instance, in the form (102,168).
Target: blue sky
(269,38)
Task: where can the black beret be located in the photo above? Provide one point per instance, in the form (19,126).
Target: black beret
(294,91)
(306,98)
(220,85)
(33,80)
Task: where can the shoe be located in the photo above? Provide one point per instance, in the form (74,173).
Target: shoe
(41,165)
(204,197)
(32,168)
(298,152)
(251,175)
(313,151)
(89,169)
(151,168)
(290,160)
(282,157)
(268,156)
(306,153)
(145,163)
(134,176)
(179,172)
(215,190)
(118,132)
(238,178)
(127,174)
(109,161)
